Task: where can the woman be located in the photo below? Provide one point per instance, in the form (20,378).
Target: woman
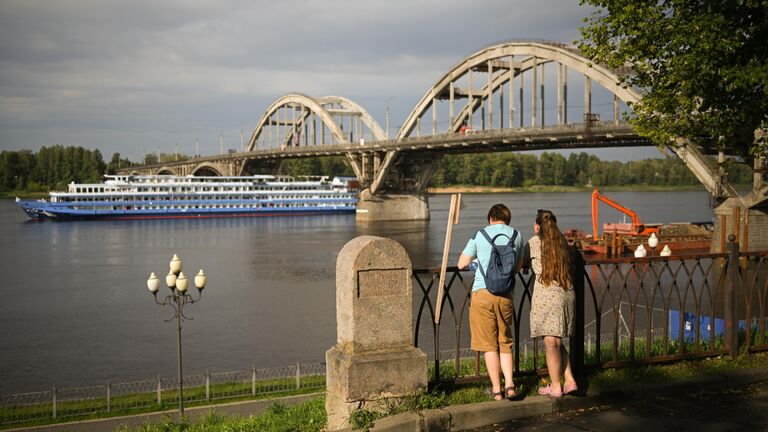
(553,301)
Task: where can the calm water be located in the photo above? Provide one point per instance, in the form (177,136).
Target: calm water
(75,309)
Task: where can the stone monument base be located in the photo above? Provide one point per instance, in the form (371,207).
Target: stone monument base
(366,381)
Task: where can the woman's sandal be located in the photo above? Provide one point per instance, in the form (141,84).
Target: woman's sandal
(548,391)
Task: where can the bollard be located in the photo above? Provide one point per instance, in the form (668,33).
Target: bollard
(159,390)
(253,381)
(207,386)
(298,375)
(53,394)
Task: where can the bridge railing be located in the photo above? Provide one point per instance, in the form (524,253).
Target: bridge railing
(629,311)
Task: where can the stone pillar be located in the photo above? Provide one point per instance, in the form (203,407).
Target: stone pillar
(374,358)
(386,207)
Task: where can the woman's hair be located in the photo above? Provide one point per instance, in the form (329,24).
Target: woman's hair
(499,212)
(554,256)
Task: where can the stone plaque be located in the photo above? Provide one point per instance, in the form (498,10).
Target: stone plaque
(382,283)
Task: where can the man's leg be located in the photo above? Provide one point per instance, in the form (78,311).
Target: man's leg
(492,364)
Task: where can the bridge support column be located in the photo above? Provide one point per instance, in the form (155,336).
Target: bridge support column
(749,225)
(392,206)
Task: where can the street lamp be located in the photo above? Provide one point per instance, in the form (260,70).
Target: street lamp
(178,284)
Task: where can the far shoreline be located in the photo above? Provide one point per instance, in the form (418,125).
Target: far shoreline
(557,189)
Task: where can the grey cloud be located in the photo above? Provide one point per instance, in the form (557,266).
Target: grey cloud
(71,70)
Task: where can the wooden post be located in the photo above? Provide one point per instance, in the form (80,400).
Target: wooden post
(736,223)
(453,218)
(109,397)
(723,229)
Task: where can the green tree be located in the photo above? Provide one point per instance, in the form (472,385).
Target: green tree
(702,66)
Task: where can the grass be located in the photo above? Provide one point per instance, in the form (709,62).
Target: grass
(310,416)
(146,402)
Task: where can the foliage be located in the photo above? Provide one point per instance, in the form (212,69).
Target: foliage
(51,167)
(702,66)
(579,169)
(327,166)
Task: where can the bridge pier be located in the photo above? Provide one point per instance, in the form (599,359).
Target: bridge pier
(392,207)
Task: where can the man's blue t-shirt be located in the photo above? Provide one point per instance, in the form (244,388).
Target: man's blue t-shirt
(480,248)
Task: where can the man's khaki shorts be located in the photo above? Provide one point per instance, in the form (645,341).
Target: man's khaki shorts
(490,322)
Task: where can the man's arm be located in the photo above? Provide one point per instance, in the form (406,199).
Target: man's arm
(464,261)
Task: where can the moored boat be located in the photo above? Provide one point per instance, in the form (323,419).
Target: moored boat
(620,239)
(160,197)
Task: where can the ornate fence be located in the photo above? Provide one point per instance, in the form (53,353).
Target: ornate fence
(629,311)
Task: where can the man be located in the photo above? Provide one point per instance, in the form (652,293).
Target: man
(490,316)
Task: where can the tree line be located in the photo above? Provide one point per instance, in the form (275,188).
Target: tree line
(54,167)
(578,169)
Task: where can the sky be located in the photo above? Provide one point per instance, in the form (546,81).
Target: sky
(146,75)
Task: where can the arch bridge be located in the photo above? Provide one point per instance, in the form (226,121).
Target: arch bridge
(493,100)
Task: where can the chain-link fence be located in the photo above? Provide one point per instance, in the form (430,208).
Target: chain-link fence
(157,394)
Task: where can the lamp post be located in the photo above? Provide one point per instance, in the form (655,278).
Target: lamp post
(178,284)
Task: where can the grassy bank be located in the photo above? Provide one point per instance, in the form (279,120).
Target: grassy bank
(310,416)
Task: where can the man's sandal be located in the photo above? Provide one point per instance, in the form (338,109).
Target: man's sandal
(499,394)
(549,391)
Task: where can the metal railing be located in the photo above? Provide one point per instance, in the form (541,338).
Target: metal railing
(645,310)
(157,394)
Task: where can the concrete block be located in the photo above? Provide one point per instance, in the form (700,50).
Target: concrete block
(482,414)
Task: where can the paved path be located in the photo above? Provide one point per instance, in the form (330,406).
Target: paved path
(729,409)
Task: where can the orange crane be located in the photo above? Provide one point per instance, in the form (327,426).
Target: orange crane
(637,227)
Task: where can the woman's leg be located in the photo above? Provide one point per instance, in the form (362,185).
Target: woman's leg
(552,345)
(569,379)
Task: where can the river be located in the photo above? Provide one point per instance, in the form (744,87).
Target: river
(75,309)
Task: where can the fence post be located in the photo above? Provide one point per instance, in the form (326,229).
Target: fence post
(577,341)
(109,397)
(298,375)
(729,302)
(207,386)
(159,390)
(253,381)
(53,393)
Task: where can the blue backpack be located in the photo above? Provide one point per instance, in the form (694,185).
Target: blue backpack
(502,266)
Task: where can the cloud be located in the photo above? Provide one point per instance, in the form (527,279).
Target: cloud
(74,71)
